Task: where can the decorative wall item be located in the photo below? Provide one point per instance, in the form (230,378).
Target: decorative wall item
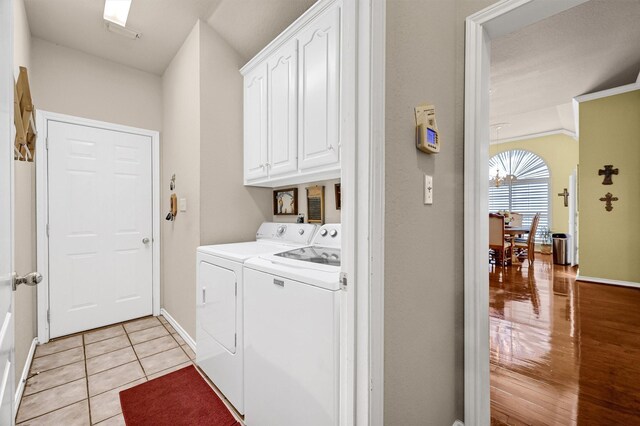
(315,204)
(285,201)
(565,194)
(338,196)
(607,172)
(24,119)
(173,208)
(608,198)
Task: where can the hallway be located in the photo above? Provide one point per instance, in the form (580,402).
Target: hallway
(562,352)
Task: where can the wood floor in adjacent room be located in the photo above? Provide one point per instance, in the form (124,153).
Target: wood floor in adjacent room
(562,352)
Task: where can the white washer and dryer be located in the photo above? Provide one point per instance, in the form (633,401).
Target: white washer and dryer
(292,334)
(219,302)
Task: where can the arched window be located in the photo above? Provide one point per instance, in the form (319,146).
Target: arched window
(522,185)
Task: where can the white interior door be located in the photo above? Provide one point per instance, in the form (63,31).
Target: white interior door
(7,344)
(100,227)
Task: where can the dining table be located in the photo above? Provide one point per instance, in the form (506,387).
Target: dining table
(515,231)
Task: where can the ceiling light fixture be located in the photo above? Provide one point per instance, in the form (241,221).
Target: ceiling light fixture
(117,11)
(126,32)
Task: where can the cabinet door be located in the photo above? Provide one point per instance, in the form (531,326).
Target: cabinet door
(283,113)
(319,98)
(255,124)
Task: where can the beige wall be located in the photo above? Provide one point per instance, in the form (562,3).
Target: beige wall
(180,156)
(560,152)
(610,134)
(331,214)
(68,81)
(24,210)
(424,333)
(229,211)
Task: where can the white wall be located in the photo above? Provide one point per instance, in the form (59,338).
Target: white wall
(68,81)
(24,210)
(181,156)
(424,333)
(229,211)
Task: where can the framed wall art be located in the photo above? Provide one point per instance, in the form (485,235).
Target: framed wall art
(285,202)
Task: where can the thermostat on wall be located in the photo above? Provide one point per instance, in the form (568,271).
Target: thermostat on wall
(427,138)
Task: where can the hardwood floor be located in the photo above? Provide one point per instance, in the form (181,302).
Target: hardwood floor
(562,352)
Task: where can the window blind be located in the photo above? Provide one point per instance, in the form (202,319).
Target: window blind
(528,194)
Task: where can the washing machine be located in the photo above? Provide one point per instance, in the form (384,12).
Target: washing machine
(292,334)
(219,302)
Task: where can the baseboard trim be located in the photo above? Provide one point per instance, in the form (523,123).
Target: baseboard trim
(181,331)
(25,374)
(458,423)
(607,281)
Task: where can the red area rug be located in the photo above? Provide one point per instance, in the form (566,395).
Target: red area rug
(179,398)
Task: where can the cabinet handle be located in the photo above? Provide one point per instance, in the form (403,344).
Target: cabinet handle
(278,282)
(204,295)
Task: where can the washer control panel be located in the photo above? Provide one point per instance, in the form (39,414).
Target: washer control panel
(329,235)
(295,233)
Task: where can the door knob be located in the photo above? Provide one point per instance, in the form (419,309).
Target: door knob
(145,240)
(30,279)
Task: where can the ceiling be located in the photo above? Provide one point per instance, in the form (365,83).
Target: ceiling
(537,71)
(247,25)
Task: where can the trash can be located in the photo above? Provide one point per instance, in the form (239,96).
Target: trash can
(560,249)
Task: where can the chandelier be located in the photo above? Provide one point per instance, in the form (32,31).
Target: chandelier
(498,180)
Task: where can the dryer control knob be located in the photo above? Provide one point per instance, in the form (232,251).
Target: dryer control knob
(333,233)
(323,233)
(300,231)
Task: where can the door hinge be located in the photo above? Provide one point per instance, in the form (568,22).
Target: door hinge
(46,143)
(49,316)
(343,280)
(235,340)
(47,230)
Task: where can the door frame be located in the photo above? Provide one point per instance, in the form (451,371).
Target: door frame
(42,207)
(363,177)
(499,19)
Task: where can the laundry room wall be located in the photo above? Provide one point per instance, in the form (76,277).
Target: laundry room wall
(229,211)
(68,81)
(424,281)
(181,156)
(24,210)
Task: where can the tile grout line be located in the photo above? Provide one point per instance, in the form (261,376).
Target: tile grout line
(56,386)
(146,378)
(52,411)
(86,378)
(179,345)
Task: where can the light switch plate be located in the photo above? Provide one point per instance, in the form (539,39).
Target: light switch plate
(428,189)
(182,204)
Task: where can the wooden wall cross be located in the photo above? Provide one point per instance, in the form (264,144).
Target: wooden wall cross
(565,194)
(608,198)
(608,171)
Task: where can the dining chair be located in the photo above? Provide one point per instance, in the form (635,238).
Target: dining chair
(516,219)
(527,247)
(499,244)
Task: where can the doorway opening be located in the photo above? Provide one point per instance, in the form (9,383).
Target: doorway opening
(542,291)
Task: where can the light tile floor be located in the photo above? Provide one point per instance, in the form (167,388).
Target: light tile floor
(76,380)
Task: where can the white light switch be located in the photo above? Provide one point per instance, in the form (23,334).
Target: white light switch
(428,189)
(182,204)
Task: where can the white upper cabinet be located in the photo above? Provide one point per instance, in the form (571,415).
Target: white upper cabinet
(319,82)
(292,102)
(283,111)
(255,124)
